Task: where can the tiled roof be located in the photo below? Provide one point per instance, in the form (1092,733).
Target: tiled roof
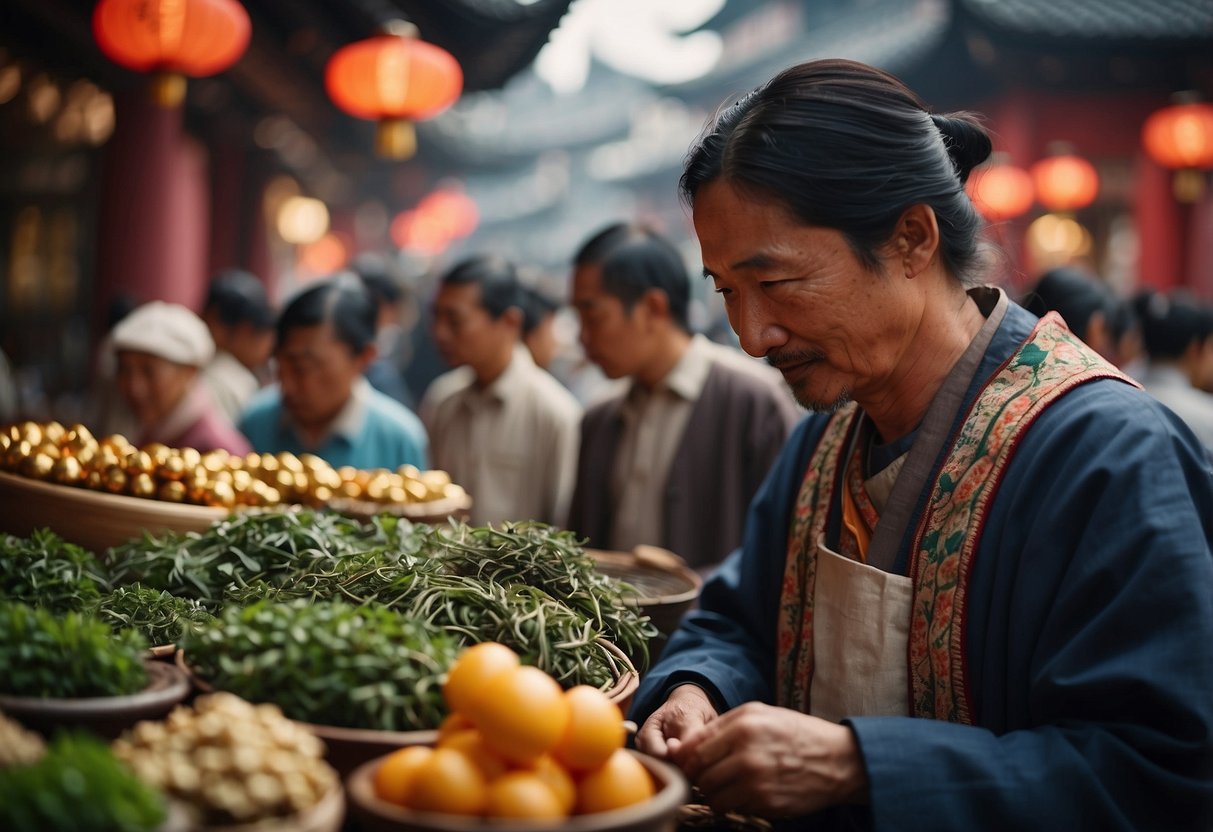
(1098,19)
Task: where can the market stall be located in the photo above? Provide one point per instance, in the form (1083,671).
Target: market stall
(155,597)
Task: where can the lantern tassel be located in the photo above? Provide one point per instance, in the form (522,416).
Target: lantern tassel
(396,138)
(168,89)
(1188,185)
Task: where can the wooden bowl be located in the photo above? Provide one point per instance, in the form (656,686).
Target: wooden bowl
(666,586)
(106,716)
(95,520)
(326,816)
(658,814)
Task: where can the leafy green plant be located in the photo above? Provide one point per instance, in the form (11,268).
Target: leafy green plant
(66,656)
(486,584)
(46,571)
(158,616)
(327,662)
(253,547)
(534,554)
(77,785)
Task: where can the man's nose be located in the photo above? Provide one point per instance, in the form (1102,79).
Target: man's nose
(756,328)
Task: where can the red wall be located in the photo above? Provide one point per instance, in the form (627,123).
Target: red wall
(1175,240)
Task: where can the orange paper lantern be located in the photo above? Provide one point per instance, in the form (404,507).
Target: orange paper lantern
(1000,191)
(1065,183)
(172,38)
(1180,136)
(393,78)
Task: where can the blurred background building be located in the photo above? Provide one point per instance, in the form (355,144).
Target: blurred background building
(573,114)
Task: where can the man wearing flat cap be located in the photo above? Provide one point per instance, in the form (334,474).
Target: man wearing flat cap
(160,348)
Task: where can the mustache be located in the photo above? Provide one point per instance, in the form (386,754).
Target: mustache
(790,358)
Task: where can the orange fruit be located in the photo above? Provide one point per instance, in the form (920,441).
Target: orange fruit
(453,724)
(522,794)
(521,714)
(472,744)
(394,777)
(621,781)
(448,781)
(559,781)
(472,671)
(595,729)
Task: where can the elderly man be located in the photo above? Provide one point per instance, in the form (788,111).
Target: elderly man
(674,460)
(159,349)
(976,591)
(322,404)
(503,428)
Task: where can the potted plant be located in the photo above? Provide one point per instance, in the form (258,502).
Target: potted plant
(71,669)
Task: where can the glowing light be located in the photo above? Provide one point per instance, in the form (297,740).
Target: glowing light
(302,220)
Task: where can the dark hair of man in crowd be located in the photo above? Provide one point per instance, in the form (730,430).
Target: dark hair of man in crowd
(536,306)
(1076,296)
(343,302)
(384,289)
(846,146)
(635,259)
(238,297)
(1170,323)
(497,279)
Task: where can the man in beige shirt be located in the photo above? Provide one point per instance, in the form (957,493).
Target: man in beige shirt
(674,460)
(504,429)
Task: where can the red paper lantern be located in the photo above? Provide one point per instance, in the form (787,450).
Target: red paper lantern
(172,38)
(1065,183)
(393,78)
(1180,136)
(1000,191)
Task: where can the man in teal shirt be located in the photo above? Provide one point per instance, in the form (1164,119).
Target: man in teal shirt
(322,404)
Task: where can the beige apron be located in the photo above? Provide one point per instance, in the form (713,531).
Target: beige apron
(862,611)
(861,621)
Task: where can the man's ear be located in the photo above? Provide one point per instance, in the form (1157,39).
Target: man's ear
(656,303)
(916,240)
(513,317)
(369,353)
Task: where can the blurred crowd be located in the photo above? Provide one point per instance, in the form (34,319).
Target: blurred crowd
(602,410)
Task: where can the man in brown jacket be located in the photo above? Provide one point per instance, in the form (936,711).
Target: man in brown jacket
(675,459)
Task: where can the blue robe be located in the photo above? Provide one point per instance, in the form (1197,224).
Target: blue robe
(1089,636)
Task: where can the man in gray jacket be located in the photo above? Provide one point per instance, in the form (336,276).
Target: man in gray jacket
(674,459)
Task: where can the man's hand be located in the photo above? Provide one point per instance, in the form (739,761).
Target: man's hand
(686,709)
(772,762)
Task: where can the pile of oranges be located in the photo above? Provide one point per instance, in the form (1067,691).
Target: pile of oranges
(517,746)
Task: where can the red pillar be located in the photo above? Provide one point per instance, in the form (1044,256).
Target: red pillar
(153,228)
(1200,245)
(1160,226)
(229,166)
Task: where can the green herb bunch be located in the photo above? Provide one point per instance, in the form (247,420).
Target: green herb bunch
(251,548)
(77,785)
(158,616)
(328,662)
(538,555)
(66,656)
(544,631)
(47,571)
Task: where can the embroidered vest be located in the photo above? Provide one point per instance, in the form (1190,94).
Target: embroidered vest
(1050,362)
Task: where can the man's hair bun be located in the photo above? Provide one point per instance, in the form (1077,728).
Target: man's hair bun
(966,140)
